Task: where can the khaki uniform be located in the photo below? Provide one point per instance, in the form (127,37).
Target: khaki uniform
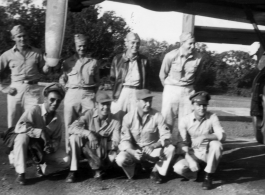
(81,78)
(29,126)
(150,131)
(25,72)
(209,151)
(106,132)
(178,75)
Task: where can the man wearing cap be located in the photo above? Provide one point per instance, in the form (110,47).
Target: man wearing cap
(41,123)
(26,65)
(179,71)
(81,78)
(202,135)
(96,136)
(129,71)
(145,137)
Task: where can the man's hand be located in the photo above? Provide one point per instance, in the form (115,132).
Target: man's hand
(198,141)
(46,68)
(48,149)
(114,145)
(193,165)
(166,143)
(148,149)
(138,154)
(93,141)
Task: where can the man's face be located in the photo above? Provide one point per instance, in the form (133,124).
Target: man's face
(133,44)
(188,46)
(80,48)
(104,108)
(199,109)
(21,39)
(145,104)
(52,101)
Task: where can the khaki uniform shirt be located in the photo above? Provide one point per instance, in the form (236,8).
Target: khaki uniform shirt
(22,67)
(90,121)
(150,130)
(33,122)
(190,128)
(177,70)
(133,76)
(80,72)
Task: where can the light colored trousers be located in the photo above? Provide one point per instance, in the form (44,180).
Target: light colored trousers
(127,161)
(76,102)
(125,103)
(176,103)
(25,97)
(210,155)
(53,162)
(79,145)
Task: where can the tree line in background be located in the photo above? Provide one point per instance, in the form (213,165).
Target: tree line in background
(228,72)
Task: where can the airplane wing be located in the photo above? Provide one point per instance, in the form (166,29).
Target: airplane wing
(223,9)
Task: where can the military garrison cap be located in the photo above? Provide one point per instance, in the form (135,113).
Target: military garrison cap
(103,97)
(54,87)
(201,97)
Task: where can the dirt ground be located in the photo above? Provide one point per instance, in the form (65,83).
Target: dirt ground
(241,170)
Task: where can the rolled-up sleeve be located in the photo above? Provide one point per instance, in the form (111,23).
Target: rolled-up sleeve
(80,127)
(217,128)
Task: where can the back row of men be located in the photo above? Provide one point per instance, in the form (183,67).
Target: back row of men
(103,129)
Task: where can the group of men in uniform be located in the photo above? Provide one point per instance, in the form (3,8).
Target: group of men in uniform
(104,129)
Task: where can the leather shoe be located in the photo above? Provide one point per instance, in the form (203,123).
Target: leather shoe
(71,178)
(39,172)
(156,177)
(21,179)
(207,183)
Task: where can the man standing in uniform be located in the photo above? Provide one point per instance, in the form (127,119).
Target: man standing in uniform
(95,135)
(129,71)
(179,71)
(26,64)
(81,78)
(201,134)
(41,123)
(145,137)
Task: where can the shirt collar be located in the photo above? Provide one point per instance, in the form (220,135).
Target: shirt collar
(95,115)
(127,59)
(194,118)
(182,55)
(16,49)
(43,110)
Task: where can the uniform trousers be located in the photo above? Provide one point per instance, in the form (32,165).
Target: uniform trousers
(99,158)
(211,155)
(176,103)
(127,161)
(125,103)
(53,162)
(76,102)
(26,96)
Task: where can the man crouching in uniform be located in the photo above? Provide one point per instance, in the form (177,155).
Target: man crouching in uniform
(41,123)
(145,137)
(96,135)
(205,133)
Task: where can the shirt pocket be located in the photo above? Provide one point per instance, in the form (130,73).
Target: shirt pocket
(176,70)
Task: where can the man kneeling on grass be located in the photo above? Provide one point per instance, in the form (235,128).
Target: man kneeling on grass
(96,136)
(42,124)
(145,137)
(204,131)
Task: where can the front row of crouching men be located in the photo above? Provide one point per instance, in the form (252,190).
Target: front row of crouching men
(101,139)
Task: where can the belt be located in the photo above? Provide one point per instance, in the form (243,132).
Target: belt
(85,88)
(29,82)
(132,87)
